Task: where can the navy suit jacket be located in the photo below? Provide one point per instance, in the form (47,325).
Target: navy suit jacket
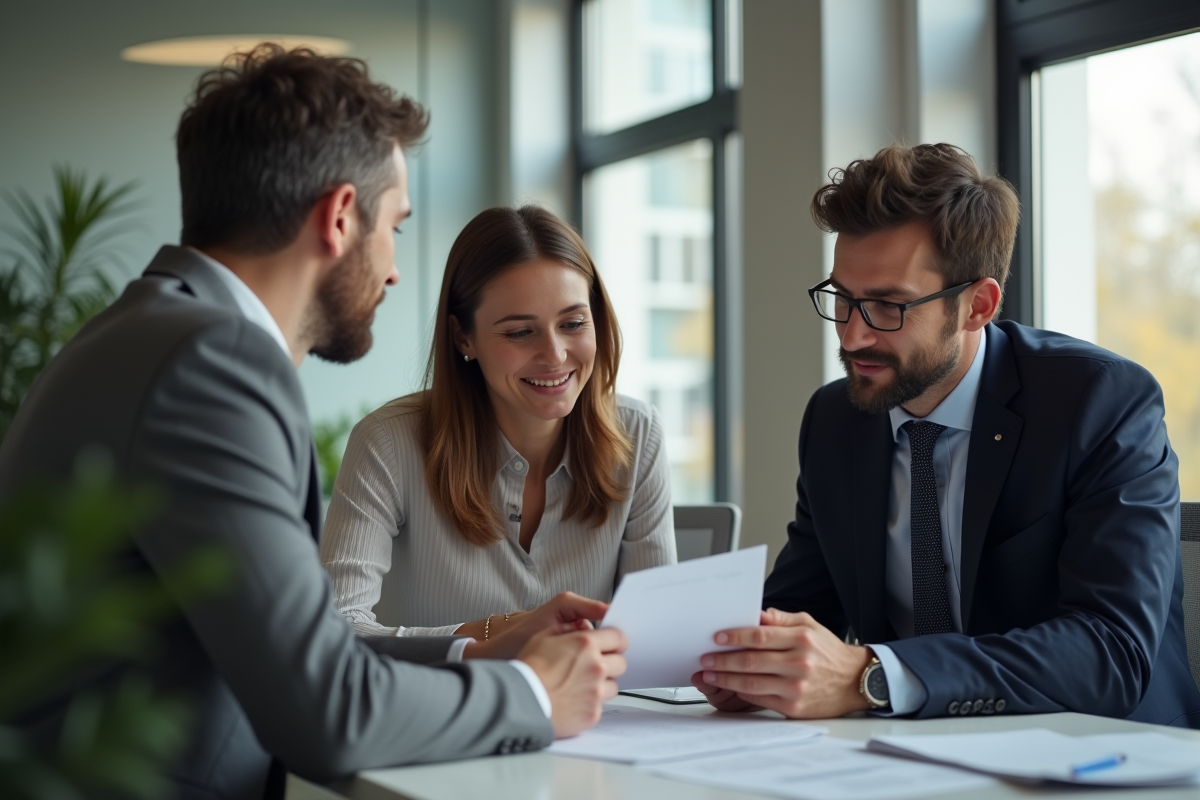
(1071,581)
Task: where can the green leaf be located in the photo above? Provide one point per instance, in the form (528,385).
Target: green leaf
(54,282)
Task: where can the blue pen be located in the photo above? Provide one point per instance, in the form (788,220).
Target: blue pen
(1108,762)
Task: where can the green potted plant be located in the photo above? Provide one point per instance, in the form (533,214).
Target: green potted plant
(51,274)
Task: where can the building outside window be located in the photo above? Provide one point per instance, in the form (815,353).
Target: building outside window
(653,144)
(1117,216)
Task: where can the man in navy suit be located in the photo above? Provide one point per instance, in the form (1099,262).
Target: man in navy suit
(991,509)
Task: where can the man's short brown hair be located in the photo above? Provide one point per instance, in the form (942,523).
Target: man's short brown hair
(271,130)
(973,219)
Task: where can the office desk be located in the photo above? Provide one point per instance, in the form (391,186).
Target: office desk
(546,777)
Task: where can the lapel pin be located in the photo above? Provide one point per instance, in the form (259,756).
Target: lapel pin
(998,437)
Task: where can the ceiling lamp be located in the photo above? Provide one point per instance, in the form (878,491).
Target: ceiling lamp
(209,51)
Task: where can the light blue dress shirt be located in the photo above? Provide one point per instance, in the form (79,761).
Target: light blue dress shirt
(950,452)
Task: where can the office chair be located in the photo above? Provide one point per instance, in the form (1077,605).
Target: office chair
(1189,546)
(706,530)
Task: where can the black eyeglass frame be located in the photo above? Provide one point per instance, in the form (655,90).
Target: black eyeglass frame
(856,303)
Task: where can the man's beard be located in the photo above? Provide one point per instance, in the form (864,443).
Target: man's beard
(345,309)
(909,381)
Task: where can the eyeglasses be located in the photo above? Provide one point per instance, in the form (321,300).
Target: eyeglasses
(882,315)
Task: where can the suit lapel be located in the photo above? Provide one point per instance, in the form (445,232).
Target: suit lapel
(995,433)
(871,477)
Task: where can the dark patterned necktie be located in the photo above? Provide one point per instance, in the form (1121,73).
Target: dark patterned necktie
(931,604)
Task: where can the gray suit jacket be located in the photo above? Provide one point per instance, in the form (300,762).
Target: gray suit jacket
(189,395)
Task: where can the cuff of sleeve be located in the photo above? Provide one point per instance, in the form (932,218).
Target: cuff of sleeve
(441,630)
(905,690)
(455,654)
(535,683)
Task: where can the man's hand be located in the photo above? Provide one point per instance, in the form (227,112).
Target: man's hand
(790,664)
(579,672)
(566,612)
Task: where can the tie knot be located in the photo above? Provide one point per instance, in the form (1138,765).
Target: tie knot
(923,434)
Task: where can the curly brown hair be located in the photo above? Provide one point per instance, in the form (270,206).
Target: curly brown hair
(271,130)
(973,219)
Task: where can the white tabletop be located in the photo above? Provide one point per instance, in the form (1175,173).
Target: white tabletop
(546,777)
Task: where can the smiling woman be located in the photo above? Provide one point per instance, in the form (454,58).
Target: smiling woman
(519,473)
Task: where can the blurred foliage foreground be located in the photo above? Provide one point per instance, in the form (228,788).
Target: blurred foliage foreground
(70,603)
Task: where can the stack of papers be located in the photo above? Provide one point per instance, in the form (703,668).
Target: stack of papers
(1111,759)
(636,736)
(825,769)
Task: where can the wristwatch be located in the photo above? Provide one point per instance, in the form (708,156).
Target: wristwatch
(873,685)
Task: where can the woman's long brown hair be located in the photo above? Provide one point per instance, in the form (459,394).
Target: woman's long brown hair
(458,426)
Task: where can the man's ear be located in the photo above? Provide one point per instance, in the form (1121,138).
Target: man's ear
(982,302)
(337,220)
(461,341)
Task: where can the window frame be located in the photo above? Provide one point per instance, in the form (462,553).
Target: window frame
(713,119)
(1031,34)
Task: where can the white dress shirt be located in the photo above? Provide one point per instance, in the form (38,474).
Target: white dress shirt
(248,302)
(253,309)
(950,452)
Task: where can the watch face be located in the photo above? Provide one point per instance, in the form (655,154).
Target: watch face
(877,683)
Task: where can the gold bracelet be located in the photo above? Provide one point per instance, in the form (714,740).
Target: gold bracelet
(486,624)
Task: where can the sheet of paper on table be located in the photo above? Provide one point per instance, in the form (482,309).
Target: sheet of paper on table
(637,736)
(825,769)
(670,614)
(1110,759)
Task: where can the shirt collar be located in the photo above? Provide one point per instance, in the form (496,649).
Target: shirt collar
(517,464)
(958,408)
(248,302)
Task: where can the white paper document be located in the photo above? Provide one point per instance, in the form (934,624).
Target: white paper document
(670,614)
(636,736)
(824,769)
(1110,759)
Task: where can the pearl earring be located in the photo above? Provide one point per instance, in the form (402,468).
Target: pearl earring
(466,357)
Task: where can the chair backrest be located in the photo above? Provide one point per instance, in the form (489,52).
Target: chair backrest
(1189,547)
(706,530)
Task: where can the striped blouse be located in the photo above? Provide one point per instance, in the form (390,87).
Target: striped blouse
(400,568)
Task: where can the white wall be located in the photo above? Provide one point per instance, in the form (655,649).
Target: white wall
(68,98)
(783,164)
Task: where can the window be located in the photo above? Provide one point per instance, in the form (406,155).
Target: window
(654,134)
(643,59)
(1100,133)
(1118,255)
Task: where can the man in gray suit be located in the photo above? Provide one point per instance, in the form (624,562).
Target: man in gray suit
(293,178)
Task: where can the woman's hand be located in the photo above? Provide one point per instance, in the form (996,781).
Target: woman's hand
(565,613)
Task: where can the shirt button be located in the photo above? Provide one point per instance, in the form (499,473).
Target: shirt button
(518,465)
